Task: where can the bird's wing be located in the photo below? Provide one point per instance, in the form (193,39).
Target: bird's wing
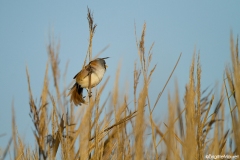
(76,75)
(82,74)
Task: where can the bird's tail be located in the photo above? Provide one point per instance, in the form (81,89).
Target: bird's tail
(76,94)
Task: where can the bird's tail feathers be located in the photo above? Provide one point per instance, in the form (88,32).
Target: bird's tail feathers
(76,95)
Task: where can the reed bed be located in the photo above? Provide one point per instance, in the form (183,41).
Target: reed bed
(194,128)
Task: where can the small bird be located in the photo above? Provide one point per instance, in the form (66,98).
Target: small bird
(97,69)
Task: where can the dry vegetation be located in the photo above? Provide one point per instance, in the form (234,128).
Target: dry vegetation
(194,129)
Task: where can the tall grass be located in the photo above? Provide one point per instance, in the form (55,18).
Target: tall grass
(194,128)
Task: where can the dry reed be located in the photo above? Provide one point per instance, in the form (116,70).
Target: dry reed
(194,128)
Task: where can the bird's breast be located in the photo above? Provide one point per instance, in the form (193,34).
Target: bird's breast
(96,78)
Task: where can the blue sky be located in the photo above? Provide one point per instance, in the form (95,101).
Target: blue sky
(174,26)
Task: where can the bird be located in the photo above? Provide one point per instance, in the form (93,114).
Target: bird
(96,68)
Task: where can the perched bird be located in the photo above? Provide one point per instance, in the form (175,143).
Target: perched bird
(97,69)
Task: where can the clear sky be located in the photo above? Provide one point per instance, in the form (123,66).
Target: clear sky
(175,27)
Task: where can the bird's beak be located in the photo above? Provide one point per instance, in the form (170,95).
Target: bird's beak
(106,66)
